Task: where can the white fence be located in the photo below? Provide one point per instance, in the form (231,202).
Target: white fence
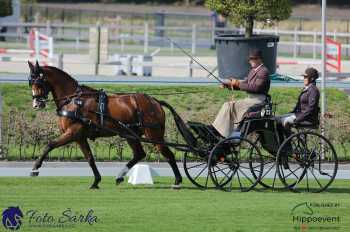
(293,42)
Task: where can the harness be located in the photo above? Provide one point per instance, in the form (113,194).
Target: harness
(102,111)
(102,100)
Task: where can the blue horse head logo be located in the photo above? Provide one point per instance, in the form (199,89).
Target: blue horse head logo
(12,218)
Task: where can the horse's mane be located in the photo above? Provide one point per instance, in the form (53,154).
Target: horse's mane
(62,73)
(69,77)
(88,88)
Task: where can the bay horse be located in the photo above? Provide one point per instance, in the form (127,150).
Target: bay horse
(72,99)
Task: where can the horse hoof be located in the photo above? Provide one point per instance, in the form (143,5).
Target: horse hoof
(176,186)
(94,187)
(119,180)
(34,173)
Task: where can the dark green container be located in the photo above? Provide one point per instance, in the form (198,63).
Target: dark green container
(233,50)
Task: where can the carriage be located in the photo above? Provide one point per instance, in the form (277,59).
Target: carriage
(262,152)
(259,151)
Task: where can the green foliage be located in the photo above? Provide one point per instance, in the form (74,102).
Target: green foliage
(5,8)
(245,12)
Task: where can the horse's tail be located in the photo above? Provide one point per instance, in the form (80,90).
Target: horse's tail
(180,124)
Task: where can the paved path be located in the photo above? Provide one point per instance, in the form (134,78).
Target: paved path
(22,169)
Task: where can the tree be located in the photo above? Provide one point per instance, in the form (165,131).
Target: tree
(5,8)
(245,12)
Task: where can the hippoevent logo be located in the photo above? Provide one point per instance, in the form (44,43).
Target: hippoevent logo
(13,218)
(307,216)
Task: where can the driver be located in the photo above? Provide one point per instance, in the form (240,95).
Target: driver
(256,84)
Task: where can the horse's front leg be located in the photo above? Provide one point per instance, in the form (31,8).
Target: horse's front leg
(64,139)
(85,148)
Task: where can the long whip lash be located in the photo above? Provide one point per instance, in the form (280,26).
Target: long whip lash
(192,58)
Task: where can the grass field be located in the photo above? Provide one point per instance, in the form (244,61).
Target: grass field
(159,208)
(197,104)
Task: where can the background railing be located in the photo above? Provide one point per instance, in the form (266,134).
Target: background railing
(122,38)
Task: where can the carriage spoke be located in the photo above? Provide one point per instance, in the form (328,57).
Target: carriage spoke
(206,180)
(292,172)
(317,180)
(274,180)
(245,175)
(220,169)
(223,179)
(197,165)
(201,172)
(300,178)
(307,181)
(239,180)
(268,170)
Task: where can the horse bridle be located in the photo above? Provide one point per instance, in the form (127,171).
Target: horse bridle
(40,80)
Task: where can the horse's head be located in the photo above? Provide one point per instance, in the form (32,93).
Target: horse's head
(40,86)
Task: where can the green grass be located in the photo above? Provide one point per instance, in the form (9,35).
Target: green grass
(198,104)
(159,208)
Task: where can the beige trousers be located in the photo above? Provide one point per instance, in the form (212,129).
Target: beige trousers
(232,112)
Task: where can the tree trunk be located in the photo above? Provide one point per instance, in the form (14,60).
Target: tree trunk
(249,27)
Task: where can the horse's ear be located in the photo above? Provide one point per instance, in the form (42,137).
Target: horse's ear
(37,65)
(31,66)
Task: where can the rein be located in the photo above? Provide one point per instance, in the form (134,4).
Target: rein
(116,93)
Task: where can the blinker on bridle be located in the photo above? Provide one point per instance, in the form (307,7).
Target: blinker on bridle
(40,80)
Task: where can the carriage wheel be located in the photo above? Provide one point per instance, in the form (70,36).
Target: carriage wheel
(196,169)
(231,162)
(269,178)
(302,167)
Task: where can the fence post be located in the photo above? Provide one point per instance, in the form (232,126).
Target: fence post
(213,30)
(50,43)
(295,43)
(347,38)
(48,28)
(194,39)
(37,45)
(145,47)
(94,45)
(314,50)
(60,61)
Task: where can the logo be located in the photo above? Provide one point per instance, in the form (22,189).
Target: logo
(307,216)
(302,208)
(12,218)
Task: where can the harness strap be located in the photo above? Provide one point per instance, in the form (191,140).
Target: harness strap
(102,105)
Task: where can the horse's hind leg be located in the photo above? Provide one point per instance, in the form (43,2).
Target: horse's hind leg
(169,155)
(64,139)
(85,148)
(138,154)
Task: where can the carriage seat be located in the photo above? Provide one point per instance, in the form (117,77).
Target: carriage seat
(305,124)
(308,124)
(260,110)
